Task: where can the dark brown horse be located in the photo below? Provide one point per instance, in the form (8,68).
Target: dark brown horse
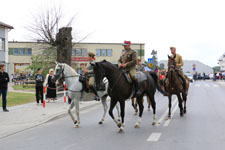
(120,90)
(173,85)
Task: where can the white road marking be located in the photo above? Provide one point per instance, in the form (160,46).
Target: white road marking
(165,113)
(167,122)
(206,85)
(154,137)
(197,85)
(215,85)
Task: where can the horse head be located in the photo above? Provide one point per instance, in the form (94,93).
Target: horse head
(99,72)
(59,72)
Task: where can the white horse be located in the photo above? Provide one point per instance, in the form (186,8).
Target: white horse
(75,92)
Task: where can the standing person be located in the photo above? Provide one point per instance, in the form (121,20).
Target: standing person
(128,62)
(4,79)
(39,78)
(51,86)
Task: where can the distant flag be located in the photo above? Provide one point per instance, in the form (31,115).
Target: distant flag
(156,69)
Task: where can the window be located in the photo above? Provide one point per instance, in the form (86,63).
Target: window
(109,52)
(84,52)
(103,52)
(78,52)
(2,44)
(22,51)
(73,52)
(29,52)
(98,52)
(16,51)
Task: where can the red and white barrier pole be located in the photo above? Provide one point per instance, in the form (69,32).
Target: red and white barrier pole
(44,98)
(64,85)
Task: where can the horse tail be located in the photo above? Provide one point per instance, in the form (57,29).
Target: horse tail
(155,77)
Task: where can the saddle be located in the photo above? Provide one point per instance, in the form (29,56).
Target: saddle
(140,76)
(86,87)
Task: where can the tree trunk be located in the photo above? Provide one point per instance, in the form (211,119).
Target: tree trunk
(64,45)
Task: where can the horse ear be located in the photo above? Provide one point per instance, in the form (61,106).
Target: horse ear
(174,56)
(93,64)
(168,56)
(104,60)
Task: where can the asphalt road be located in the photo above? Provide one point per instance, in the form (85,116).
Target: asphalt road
(202,128)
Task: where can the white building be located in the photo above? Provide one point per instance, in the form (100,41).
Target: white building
(188,66)
(222,62)
(4,29)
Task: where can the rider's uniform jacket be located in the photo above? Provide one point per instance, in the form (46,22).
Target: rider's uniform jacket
(90,69)
(179,60)
(129,57)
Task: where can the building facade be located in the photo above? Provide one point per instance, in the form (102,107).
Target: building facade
(222,62)
(4,29)
(20,53)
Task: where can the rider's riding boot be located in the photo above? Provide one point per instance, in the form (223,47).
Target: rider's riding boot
(137,89)
(95,92)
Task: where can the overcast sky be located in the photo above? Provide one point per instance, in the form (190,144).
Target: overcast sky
(195,27)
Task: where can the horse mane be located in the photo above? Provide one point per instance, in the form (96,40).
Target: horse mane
(108,63)
(72,71)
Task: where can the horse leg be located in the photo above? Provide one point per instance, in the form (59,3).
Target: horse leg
(70,113)
(141,108)
(134,104)
(103,99)
(185,100)
(112,105)
(122,114)
(76,102)
(152,98)
(118,111)
(180,105)
(149,103)
(170,105)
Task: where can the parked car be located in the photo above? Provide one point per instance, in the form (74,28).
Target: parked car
(190,76)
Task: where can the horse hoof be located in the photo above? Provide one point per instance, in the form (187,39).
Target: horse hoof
(121,130)
(119,125)
(185,111)
(154,123)
(181,114)
(149,109)
(135,113)
(100,122)
(136,126)
(76,126)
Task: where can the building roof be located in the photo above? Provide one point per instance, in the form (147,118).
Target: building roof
(78,43)
(6,25)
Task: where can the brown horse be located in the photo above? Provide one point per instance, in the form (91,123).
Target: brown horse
(134,103)
(173,85)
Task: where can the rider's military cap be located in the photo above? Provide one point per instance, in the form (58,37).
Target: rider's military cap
(126,43)
(172,47)
(91,54)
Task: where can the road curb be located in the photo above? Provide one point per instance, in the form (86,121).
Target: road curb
(49,119)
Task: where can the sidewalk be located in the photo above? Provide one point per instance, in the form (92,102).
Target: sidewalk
(10,89)
(26,116)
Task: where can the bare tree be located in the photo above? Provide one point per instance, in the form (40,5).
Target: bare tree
(45,25)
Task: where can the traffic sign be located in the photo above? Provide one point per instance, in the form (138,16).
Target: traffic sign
(150,60)
(150,65)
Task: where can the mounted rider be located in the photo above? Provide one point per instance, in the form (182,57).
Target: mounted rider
(128,61)
(90,73)
(179,64)
(140,67)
